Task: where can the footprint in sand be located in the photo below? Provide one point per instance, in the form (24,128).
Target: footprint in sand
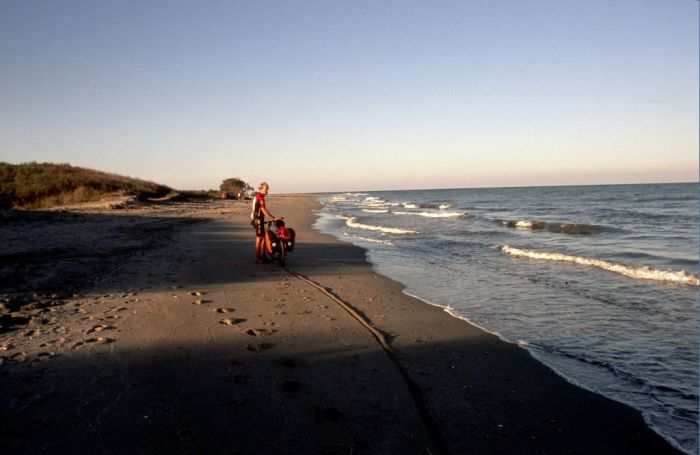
(259,332)
(99,340)
(18,357)
(231,321)
(44,356)
(99,328)
(115,309)
(288,363)
(258,347)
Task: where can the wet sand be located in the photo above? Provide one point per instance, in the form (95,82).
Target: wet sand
(147,328)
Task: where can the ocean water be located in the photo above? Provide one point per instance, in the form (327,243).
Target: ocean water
(600,283)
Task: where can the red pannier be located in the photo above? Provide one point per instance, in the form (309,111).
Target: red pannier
(286,235)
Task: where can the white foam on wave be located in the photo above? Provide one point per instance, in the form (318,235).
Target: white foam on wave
(375,210)
(524,224)
(366,239)
(563,228)
(631,271)
(410,205)
(353,223)
(433,214)
(444,206)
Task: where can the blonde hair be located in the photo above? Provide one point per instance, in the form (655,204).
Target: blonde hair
(262,184)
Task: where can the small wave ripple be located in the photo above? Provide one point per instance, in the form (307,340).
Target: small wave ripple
(564,228)
(631,271)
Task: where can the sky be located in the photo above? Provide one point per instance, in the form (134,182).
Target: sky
(315,96)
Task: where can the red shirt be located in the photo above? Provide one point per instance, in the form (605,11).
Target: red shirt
(258,205)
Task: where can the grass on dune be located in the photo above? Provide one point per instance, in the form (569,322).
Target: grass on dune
(43,185)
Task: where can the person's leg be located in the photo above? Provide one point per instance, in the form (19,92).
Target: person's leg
(258,247)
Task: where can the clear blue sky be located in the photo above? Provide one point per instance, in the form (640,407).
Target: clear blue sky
(352,95)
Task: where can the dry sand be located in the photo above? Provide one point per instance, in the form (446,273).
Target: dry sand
(147,328)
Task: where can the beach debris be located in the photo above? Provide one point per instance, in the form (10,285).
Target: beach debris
(222,310)
(197,302)
(197,293)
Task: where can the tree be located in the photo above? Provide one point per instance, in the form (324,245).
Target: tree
(233,186)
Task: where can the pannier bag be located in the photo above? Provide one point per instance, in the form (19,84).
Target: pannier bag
(286,235)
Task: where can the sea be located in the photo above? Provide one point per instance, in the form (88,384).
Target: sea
(599,283)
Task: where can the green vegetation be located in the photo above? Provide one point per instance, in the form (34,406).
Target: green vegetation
(234,186)
(42,185)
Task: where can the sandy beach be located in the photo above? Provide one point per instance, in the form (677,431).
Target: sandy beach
(134,327)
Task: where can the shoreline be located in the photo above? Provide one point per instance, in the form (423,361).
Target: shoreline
(570,380)
(382,262)
(194,347)
(463,319)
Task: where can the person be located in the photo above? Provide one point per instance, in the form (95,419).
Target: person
(258,216)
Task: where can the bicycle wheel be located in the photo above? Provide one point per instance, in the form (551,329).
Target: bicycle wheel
(283,254)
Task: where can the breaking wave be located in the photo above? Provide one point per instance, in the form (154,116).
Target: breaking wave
(632,271)
(433,214)
(375,210)
(415,205)
(564,228)
(353,223)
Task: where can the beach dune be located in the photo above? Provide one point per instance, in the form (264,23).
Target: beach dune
(150,329)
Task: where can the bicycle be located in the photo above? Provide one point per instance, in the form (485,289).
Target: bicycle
(279,241)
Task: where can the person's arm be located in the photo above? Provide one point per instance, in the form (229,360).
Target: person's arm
(268,214)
